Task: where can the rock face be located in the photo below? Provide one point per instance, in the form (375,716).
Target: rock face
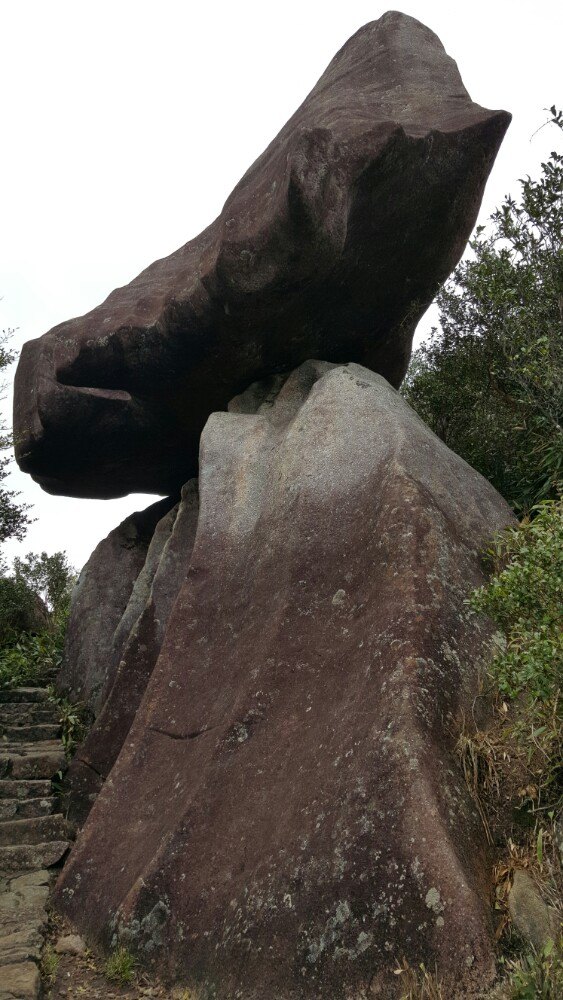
(138,639)
(100,599)
(332,245)
(286,817)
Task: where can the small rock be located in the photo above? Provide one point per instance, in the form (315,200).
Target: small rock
(533,918)
(70,944)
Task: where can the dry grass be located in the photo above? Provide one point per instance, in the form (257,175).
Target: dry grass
(418,984)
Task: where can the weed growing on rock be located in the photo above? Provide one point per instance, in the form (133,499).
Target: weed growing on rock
(75,720)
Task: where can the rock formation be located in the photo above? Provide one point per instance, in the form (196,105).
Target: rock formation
(332,245)
(101,599)
(286,816)
(279,655)
(133,650)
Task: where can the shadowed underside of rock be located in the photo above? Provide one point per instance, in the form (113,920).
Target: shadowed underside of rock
(333,244)
(286,816)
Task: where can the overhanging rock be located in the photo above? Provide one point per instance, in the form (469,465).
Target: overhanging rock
(332,245)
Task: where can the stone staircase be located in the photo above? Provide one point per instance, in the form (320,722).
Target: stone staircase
(32,836)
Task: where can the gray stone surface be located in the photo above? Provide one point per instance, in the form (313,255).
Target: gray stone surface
(31,838)
(537,922)
(20,982)
(32,761)
(99,601)
(289,796)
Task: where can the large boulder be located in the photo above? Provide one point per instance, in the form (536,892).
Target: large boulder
(100,599)
(332,245)
(287,817)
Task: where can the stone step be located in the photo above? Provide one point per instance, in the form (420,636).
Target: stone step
(11,789)
(29,857)
(26,712)
(38,760)
(26,808)
(20,981)
(37,830)
(34,733)
(20,946)
(23,694)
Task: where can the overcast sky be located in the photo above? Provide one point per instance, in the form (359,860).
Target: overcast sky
(125,125)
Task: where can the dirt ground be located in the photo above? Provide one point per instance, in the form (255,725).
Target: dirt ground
(82,977)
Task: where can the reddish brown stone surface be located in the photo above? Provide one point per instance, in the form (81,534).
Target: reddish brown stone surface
(332,245)
(287,817)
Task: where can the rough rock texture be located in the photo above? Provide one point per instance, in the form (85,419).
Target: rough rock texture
(100,599)
(139,637)
(286,816)
(537,922)
(332,245)
(31,838)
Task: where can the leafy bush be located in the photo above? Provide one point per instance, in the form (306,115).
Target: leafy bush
(31,661)
(34,607)
(513,768)
(536,976)
(525,598)
(21,610)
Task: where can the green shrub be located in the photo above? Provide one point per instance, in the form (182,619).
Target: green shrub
(525,598)
(32,661)
(21,610)
(536,975)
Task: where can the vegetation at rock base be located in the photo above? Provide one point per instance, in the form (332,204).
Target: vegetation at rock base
(120,967)
(514,767)
(418,984)
(533,976)
(489,381)
(49,964)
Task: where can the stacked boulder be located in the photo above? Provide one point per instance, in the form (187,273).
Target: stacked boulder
(279,655)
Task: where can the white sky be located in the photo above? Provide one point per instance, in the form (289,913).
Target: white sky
(125,125)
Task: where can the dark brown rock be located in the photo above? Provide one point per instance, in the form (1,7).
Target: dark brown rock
(140,640)
(287,817)
(332,245)
(99,600)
